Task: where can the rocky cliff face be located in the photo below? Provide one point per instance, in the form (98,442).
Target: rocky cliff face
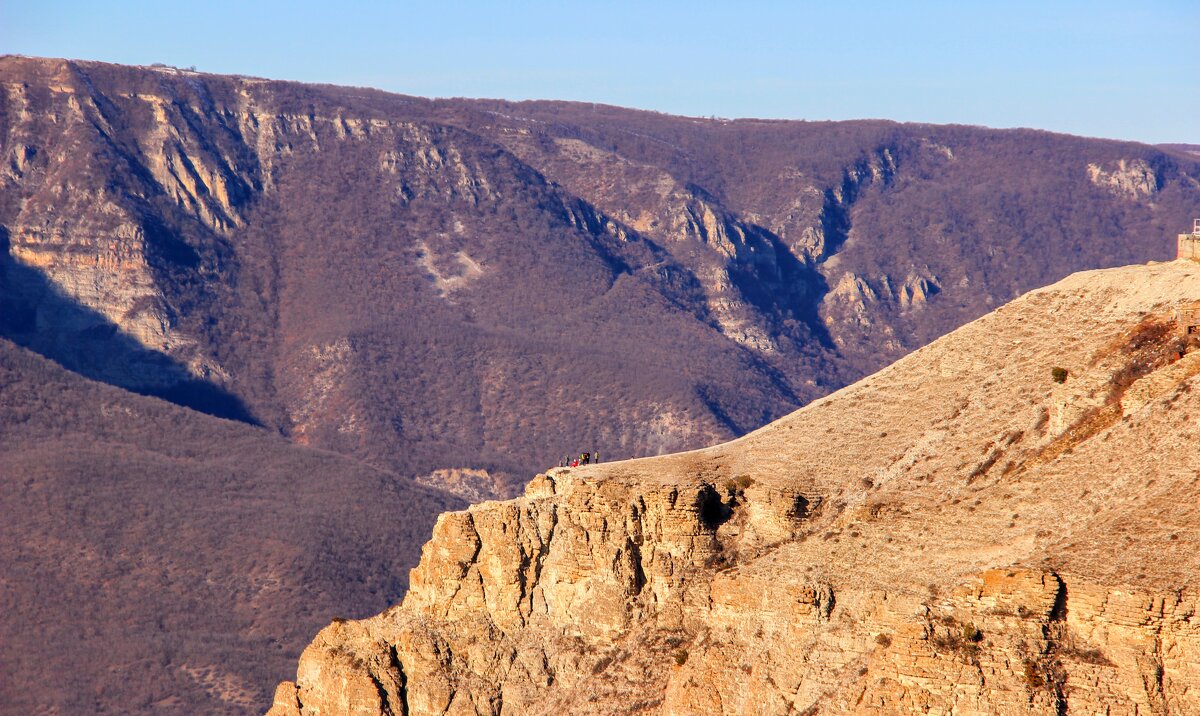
(958,533)
(440,286)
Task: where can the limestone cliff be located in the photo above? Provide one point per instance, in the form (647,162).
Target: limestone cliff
(958,533)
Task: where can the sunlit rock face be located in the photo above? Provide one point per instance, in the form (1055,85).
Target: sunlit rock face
(927,540)
(1132,179)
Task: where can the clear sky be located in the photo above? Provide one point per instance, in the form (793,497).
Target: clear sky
(1128,70)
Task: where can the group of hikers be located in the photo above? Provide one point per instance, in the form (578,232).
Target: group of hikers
(583,459)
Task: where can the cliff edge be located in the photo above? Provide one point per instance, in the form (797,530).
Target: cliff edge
(968,530)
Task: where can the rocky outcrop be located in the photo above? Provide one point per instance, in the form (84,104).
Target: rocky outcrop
(471,484)
(553,595)
(581,563)
(929,540)
(1132,179)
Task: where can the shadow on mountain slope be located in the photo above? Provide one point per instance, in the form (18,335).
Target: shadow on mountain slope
(792,288)
(36,314)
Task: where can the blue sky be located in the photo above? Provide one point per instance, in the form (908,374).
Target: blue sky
(1126,70)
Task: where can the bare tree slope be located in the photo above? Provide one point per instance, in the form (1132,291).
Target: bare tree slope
(156,560)
(463,290)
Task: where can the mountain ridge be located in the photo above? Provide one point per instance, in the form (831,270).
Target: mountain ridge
(267,231)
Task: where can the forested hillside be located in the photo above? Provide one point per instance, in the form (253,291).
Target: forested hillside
(449,284)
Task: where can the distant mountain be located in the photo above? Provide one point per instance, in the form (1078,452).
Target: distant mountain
(968,530)
(374,288)
(476,288)
(1185,148)
(156,560)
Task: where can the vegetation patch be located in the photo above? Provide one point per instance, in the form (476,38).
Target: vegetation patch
(1149,346)
(960,639)
(602,664)
(1044,673)
(1088,656)
(736,487)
